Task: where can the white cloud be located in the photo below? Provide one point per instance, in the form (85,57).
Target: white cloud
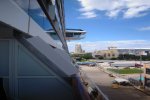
(89,15)
(135,12)
(112,8)
(103,45)
(145,28)
(113,13)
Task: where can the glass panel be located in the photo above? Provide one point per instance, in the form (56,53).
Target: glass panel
(69,34)
(34,10)
(55,37)
(24,4)
(30,89)
(29,66)
(38,15)
(57,12)
(46,24)
(6,86)
(57,16)
(4,57)
(77,33)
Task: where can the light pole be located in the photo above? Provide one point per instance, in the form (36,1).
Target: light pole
(140,69)
(117,70)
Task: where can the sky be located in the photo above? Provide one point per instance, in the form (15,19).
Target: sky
(120,23)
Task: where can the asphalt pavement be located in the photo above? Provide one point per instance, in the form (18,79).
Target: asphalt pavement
(104,81)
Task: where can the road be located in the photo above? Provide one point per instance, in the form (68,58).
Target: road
(103,81)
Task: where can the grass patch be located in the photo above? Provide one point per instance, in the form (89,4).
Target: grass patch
(126,71)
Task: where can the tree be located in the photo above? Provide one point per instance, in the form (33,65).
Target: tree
(80,57)
(87,56)
(100,57)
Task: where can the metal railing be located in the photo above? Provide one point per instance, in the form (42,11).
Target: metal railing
(93,90)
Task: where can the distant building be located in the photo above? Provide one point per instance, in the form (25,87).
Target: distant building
(147,52)
(134,51)
(78,49)
(112,48)
(143,53)
(112,52)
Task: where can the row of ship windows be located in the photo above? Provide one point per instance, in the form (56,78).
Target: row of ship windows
(33,9)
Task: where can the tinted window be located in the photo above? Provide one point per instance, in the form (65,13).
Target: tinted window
(34,10)
(147,71)
(55,37)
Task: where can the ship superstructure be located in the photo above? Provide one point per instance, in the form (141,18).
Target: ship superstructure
(36,65)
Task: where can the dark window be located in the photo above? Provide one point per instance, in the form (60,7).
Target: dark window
(147,71)
(147,82)
(113,55)
(77,33)
(69,34)
(105,55)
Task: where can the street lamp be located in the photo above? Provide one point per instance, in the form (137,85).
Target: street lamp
(117,69)
(140,69)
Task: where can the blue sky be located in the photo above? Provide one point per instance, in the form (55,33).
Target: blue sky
(121,23)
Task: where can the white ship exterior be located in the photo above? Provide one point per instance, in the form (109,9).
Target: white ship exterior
(35,64)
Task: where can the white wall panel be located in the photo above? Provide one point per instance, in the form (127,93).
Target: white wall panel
(62,63)
(14,16)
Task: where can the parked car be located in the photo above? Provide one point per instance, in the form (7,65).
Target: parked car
(92,64)
(125,83)
(87,63)
(122,81)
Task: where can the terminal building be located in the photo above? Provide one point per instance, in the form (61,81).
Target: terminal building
(112,52)
(34,60)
